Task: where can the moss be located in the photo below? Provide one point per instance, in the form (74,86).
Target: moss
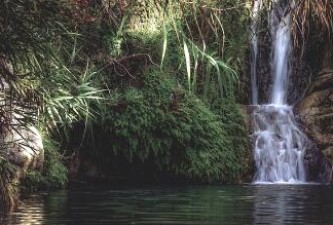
(233,121)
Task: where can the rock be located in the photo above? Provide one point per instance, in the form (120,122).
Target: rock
(24,149)
(316,165)
(328,152)
(316,113)
(21,145)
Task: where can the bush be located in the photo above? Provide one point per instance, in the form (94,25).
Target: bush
(175,133)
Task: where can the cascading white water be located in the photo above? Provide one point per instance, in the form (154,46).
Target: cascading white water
(279,143)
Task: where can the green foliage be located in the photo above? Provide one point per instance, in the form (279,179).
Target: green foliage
(198,42)
(68,96)
(149,118)
(27,29)
(86,62)
(54,173)
(160,123)
(232,118)
(41,73)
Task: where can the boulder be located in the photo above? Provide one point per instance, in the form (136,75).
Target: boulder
(23,148)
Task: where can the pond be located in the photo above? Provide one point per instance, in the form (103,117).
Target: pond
(248,204)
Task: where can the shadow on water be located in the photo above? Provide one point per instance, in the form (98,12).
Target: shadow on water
(251,204)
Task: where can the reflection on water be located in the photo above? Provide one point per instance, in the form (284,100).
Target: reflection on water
(265,204)
(31,211)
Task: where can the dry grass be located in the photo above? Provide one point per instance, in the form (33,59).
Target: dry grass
(311,15)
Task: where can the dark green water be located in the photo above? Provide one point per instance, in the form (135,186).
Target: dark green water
(265,204)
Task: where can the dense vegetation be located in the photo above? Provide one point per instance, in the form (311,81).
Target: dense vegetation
(147,89)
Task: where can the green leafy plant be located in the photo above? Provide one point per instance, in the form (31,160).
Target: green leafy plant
(68,96)
(166,130)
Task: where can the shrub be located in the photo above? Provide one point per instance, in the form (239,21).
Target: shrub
(175,133)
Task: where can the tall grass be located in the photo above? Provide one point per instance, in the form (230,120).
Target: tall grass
(202,38)
(199,39)
(308,15)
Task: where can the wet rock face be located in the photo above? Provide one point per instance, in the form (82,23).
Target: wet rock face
(316,113)
(317,167)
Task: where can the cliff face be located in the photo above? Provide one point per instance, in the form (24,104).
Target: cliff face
(315,108)
(316,113)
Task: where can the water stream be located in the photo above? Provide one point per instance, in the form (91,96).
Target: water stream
(279,143)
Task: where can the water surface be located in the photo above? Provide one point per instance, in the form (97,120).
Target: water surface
(259,204)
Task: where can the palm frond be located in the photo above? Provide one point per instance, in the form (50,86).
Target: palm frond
(68,96)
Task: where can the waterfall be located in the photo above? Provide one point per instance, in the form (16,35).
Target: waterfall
(279,144)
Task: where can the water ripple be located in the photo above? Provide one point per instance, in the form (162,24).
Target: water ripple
(230,205)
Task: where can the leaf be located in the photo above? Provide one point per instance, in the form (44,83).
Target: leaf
(165,44)
(188,66)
